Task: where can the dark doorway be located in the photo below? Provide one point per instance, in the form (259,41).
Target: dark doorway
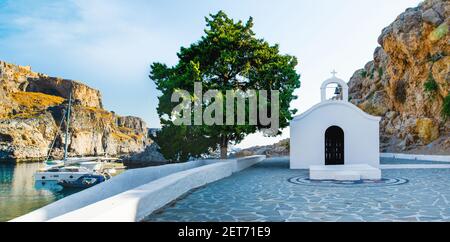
(334,146)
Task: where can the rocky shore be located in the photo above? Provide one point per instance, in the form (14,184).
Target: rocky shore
(31,109)
(276,150)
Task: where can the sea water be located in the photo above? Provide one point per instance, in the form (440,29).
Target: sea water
(20,194)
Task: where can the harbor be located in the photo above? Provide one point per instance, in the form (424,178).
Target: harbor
(20,194)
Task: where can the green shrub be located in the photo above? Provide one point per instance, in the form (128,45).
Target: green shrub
(400,91)
(439,33)
(446,107)
(364,74)
(380,72)
(431,85)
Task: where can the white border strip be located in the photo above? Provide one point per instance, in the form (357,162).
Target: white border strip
(442,158)
(415,166)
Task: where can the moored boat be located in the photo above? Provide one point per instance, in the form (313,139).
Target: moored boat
(68,173)
(85,181)
(68,169)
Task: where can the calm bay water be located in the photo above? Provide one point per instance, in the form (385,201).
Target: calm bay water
(19,194)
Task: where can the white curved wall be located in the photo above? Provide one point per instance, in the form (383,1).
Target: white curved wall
(125,181)
(136,193)
(135,204)
(361,135)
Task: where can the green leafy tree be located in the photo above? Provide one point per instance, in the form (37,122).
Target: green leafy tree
(228,57)
(179,143)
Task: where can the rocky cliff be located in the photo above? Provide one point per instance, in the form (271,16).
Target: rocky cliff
(31,109)
(408,81)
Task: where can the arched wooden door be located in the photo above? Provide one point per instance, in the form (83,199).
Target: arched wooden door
(334,146)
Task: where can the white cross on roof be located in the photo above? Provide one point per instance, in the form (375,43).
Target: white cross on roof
(334,72)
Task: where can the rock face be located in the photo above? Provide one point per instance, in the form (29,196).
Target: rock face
(61,87)
(32,107)
(149,157)
(408,81)
(276,150)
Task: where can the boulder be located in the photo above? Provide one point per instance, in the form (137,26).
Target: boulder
(427,130)
(151,156)
(432,17)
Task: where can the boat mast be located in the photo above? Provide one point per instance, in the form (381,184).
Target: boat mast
(66,144)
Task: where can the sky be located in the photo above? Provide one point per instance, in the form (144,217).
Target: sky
(110,44)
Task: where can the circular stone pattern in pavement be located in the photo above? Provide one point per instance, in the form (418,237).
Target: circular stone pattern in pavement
(301,180)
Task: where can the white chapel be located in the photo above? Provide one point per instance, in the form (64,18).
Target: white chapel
(335,139)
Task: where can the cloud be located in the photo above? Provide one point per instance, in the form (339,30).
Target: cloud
(87,35)
(106,44)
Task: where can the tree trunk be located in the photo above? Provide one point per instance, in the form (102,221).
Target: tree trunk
(224,148)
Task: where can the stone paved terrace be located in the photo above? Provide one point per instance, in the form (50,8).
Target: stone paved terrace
(272,192)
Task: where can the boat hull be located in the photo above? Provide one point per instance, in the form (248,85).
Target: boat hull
(83,182)
(57,176)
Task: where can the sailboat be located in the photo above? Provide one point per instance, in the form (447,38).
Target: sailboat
(65,170)
(57,163)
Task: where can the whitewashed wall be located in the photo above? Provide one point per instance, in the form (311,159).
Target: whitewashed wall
(135,204)
(361,135)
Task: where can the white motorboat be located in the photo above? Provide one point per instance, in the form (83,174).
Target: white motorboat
(67,173)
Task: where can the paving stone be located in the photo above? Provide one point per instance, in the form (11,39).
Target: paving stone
(263,193)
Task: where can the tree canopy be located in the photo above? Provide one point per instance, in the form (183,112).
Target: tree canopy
(227,57)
